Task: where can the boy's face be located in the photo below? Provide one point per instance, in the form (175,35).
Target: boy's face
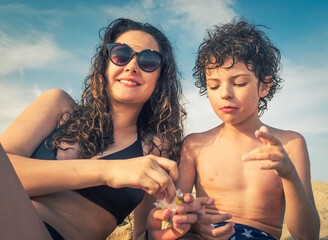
(234,92)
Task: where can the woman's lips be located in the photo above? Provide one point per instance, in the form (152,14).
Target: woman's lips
(128,82)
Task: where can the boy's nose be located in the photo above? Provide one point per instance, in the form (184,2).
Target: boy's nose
(225,91)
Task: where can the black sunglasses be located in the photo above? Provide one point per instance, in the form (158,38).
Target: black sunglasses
(121,54)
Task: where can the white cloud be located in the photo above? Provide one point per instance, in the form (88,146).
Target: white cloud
(192,16)
(303,102)
(200,116)
(13,100)
(136,12)
(33,51)
(147,3)
(196,16)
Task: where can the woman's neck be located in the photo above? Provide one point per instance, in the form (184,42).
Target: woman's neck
(125,119)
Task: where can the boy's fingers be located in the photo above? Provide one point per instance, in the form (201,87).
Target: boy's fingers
(270,165)
(262,156)
(188,197)
(264,129)
(192,207)
(267,138)
(258,133)
(205,200)
(183,219)
(161,214)
(211,219)
(224,231)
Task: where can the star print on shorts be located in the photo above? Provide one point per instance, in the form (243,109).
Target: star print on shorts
(244,232)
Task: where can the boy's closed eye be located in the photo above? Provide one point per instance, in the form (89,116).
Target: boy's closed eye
(240,84)
(214,87)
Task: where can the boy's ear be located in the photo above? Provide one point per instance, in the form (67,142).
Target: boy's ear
(265,87)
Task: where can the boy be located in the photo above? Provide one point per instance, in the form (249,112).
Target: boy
(253,178)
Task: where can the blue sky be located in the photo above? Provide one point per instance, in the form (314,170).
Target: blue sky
(49,44)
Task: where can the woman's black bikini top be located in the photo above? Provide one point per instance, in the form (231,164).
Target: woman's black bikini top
(120,202)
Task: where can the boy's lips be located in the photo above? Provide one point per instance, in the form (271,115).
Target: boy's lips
(228,109)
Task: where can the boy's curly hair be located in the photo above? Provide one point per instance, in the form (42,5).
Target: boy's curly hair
(242,42)
(91,123)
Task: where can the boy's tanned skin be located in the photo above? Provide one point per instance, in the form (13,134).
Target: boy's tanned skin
(253,171)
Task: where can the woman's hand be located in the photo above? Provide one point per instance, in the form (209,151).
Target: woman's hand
(155,175)
(186,215)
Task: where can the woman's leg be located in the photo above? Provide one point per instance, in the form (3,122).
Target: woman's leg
(18,217)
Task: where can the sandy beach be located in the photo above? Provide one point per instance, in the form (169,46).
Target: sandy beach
(320,191)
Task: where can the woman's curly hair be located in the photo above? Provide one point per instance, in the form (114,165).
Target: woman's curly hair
(240,41)
(91,125)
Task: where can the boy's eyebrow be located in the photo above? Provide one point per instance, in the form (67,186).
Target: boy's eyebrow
(241,75)
(233,77)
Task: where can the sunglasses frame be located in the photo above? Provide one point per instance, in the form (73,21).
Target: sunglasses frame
(110,46)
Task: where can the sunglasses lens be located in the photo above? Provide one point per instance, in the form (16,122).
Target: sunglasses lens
(149,61)
(120,55)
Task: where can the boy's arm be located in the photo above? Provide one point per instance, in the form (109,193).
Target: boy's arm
(187,177)
(294,169)
(301,214)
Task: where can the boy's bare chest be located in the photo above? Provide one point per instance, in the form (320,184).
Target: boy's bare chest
(221,168)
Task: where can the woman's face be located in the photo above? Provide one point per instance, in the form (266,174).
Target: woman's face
(129,84)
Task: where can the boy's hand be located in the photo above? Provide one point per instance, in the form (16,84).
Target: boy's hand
(186,215)
(272,154)
(204,225)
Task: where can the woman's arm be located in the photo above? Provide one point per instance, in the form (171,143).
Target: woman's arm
(187,165)
(41,177)
(35,123)
(17,215)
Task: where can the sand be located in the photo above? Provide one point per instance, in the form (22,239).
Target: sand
(320,191)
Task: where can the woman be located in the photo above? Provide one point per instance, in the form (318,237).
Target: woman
(129,110)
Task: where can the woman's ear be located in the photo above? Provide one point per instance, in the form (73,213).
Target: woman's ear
(265,86)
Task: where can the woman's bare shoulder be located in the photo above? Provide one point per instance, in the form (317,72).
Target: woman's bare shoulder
(36,122)
(57,97)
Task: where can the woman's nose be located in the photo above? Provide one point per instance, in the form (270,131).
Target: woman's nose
(132,66)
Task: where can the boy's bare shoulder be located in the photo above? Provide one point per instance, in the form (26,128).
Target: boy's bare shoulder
(286,137)
(196,140)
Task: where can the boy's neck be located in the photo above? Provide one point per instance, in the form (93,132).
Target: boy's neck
(247,127)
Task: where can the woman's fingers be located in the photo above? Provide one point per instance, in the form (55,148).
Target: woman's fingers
(155,175)
(169,166)
(162,178)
